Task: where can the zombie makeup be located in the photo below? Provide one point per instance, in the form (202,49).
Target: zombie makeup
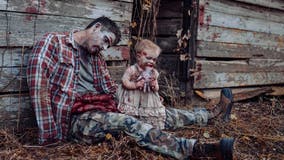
(147,59)
(100,40)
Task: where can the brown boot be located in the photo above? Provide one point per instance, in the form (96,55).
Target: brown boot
(222,150)
(224,106)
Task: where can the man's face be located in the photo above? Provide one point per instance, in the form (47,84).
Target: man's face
(147,58)
(99,39)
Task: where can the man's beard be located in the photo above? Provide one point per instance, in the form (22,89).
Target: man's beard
(94,50)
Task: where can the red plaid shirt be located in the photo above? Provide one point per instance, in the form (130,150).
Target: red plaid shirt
(52,75)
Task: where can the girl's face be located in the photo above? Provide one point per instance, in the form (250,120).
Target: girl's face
(146,59)
(99,39)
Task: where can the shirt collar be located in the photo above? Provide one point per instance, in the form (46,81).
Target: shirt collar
(70,39)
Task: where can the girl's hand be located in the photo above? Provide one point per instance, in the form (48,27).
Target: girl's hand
(153,84)
(140,84)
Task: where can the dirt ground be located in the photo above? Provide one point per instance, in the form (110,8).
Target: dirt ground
(257,126)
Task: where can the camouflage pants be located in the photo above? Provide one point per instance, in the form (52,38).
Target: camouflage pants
(91,127)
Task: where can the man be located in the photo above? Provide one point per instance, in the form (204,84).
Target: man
(73,96)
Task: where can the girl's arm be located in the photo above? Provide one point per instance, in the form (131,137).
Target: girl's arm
(127,82)
(154,83)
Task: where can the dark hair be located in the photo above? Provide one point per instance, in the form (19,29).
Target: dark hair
(109,25)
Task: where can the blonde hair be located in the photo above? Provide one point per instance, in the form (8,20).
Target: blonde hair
(146,44)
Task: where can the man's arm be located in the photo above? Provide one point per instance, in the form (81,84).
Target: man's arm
(39,69)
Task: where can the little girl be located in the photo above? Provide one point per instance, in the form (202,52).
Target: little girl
(138,95)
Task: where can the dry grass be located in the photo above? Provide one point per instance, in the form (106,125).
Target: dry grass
(257,126)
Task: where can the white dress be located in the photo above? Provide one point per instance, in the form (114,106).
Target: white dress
(146,106)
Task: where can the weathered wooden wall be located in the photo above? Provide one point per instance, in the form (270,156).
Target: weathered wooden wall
(23,22)
(240,43)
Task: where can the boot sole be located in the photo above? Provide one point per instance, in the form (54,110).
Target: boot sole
(226,146)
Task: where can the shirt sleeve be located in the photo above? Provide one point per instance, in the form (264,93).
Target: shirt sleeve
(39,69)
(109,84)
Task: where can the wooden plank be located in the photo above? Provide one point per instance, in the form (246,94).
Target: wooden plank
(15,29)
(14,57)
(23,29)
(19,124)
(233,79)
(233,50)
(218,74)
(277,4)
(210,94)
(240,9)
(170,9)
(116,72)
(239,94)
(219,34)
(168,27)
(243,22)
(117,53)
(52,23)
(16,109)
(167,44)
(277,91)
(168,63)
(252,65)
(130,1)
(10,57)
(3,4)
(117,10)
(10,105)
(13,79)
